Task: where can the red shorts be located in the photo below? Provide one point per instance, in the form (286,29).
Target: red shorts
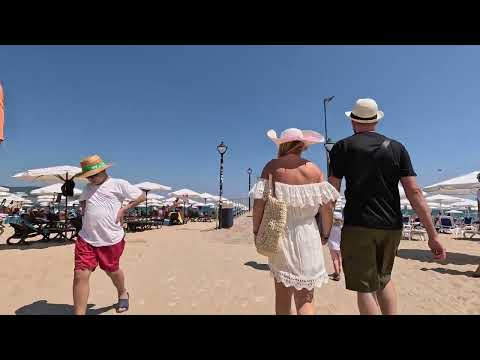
(87,257)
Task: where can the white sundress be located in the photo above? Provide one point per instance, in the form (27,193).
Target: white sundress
(300,262)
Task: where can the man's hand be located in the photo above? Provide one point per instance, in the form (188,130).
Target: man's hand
(120,216)
(438,251)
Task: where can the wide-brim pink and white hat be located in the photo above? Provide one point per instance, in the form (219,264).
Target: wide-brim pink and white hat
(308,137)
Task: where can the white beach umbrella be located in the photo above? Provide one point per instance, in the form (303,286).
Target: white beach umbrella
(151,186)
(4,189)
(51,174)
(461,185)
(464,204)
(443,199)
(455,212)
(206,196)
(184,193)
(53,190)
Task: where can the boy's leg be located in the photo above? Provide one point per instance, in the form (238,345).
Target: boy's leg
(81,290)
(85,263)
(109,261)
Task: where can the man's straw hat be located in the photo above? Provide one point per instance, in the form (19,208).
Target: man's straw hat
(92,165)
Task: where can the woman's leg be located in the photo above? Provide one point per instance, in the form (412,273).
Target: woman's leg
(304,301)
(283,299)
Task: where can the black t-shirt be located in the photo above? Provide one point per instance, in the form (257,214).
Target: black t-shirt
(372,166)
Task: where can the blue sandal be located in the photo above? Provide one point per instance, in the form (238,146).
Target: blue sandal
(123,304)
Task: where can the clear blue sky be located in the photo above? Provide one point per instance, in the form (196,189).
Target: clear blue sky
(158,112)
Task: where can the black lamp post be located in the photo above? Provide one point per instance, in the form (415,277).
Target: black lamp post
(249,171)
(478,200)
(222,149)
(328,147)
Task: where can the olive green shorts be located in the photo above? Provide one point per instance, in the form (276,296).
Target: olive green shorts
(368,256)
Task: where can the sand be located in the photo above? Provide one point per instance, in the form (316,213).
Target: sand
(194,269)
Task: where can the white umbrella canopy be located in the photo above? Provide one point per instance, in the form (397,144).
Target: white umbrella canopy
(184,192)
(454,212)
(51,174)
(150,186)
(463,204)
(172,200)
(154,197)
(53,189)
(460,185)
(4,189)
(206,196)
(443,199)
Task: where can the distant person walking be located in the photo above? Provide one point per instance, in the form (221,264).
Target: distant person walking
(372,166)
(299,266)
(101,239)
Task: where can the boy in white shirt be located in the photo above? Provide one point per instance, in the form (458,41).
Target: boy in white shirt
(334,245)
(101,240)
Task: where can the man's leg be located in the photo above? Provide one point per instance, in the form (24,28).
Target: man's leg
(81,290)
(387,299)
(367,305)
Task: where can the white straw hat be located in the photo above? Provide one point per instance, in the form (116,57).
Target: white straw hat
(365,111)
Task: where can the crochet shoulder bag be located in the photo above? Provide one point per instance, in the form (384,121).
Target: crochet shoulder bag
(273,222)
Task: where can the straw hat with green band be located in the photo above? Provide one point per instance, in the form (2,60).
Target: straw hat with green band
(92,165)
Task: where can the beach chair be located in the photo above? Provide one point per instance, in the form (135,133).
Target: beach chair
(27,227)
(447,225)
(406,231)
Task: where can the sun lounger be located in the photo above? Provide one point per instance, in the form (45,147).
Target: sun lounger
(26,227)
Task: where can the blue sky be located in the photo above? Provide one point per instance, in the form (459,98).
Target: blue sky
(158,112)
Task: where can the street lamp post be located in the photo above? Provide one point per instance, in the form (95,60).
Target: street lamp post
(328,144)
(222,149)
(249,171)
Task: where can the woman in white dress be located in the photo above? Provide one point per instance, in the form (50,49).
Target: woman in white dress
(299,267)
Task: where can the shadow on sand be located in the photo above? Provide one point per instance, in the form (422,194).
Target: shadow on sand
(43,307)
(257,266)
(426,256)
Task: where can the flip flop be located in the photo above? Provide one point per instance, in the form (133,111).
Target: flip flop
(335,277)
(476,275)
(123,304)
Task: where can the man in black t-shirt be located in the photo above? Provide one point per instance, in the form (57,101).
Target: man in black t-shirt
(372,166)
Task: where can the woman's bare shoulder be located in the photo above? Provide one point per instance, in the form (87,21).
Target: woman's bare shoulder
(313,170)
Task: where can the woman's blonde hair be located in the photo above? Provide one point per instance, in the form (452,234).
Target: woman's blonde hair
(291,147)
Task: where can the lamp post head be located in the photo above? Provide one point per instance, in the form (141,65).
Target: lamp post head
(328,99)
(249,171)
(222,148)
(329,144)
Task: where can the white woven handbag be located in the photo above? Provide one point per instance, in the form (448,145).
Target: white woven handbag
(273,222)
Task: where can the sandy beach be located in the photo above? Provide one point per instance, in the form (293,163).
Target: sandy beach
(194,269)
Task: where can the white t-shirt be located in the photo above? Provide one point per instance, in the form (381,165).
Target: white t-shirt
(101,209)
(335,237)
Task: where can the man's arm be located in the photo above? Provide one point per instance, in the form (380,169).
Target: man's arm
(124,209)
(83,204)
(415,196)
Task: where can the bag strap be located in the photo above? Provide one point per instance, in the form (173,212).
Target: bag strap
(268,189)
